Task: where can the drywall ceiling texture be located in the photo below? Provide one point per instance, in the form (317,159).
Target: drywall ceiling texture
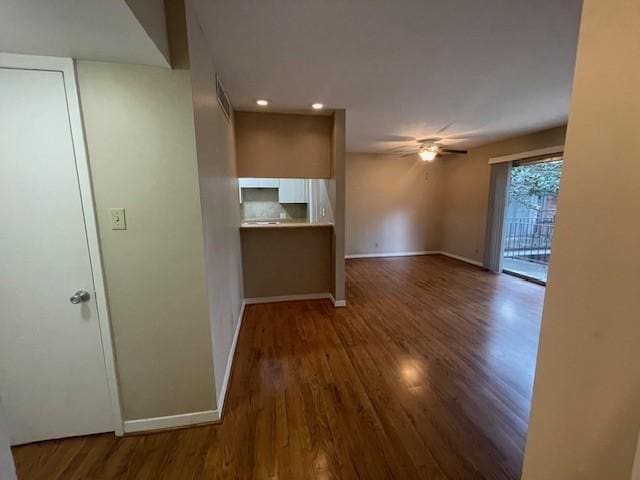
(410,68)
(586,399)
(87,30)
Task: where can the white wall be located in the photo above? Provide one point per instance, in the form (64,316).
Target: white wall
(586,400)
(219,202)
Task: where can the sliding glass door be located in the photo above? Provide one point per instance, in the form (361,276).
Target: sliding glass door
(530,218)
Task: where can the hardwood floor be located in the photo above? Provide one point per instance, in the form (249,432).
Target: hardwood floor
(426,374)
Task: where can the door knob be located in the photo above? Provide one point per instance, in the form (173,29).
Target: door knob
(80,296)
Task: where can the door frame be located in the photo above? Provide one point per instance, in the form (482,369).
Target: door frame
(67,67)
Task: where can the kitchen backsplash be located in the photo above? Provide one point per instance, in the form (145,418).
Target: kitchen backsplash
(262,204)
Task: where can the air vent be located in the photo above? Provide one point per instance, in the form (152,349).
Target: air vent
(223,99)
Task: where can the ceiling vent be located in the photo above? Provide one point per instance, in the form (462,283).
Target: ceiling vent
(223,99)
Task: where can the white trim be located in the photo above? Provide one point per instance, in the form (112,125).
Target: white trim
(394,254)
(337,303)
(171,421)
(409,254)
(461,258)
(232,351)
(287,298)
(67,67)
(531,153)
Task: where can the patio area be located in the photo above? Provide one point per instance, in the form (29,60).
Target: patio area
(525,268)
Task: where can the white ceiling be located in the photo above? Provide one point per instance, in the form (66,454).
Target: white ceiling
(485,69)
(104,30)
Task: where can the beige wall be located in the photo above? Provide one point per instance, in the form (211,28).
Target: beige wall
(337,186)
(636,464)
(466,190)
(586,400)
(286,261)
(139,131)
(151,15)
(283,145)
(394,204)
(219,200)
(294,261)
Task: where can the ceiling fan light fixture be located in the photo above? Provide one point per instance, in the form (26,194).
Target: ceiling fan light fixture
(428,154)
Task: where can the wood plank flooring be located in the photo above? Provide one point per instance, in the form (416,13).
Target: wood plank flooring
(426,374)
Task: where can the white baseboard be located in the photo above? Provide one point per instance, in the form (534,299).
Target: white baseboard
(171,421)
(413,254)
(393,254)
(288,298)
(232,351)
(462,259)
(337,303)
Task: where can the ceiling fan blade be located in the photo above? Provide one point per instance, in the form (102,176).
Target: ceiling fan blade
(429,140)
(445,127)
(409,154)
(397,138)
(451,150)
(400,148)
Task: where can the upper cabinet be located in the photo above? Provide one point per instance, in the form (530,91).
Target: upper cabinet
(284,145)
(293,190)
(259,182)
(290,190)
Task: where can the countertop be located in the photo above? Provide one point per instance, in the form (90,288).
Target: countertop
(259,225)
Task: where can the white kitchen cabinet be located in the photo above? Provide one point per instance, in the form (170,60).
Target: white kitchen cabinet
(268,182)
(248,182)
(293,190)
(259,182)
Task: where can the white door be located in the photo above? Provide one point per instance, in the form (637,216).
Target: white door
(52,372)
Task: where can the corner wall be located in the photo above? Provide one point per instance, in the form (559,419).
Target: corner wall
(219,201)
(151,16)
(336,190)
(586,399)
(466,190)
(139,131)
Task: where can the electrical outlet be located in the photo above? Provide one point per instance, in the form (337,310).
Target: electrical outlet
(118,220)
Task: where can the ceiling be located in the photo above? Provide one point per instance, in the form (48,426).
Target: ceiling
(103,30)
(466,70)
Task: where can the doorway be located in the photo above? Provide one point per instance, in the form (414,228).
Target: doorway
(57,374)
(530,217)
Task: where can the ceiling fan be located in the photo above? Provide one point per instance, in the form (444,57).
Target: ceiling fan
(429,150)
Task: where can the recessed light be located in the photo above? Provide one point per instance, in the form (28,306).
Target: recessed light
(317,106)
(262,102)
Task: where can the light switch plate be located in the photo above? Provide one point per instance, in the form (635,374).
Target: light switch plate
(118,220)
